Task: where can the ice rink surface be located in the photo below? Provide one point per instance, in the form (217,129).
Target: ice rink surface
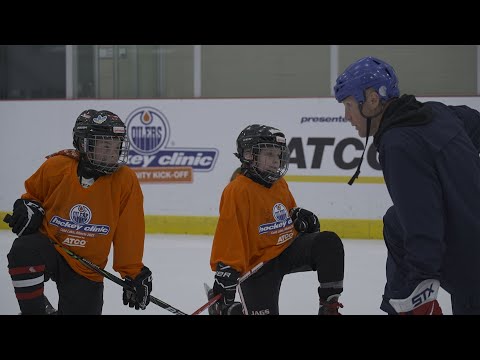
(180,266)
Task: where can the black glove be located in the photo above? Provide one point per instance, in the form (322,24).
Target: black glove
(220,309)
(139,296)
(27,217)
(226,280)
(304,220)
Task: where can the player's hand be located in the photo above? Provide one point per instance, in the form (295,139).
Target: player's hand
(226,280)
(219,308)
(139,296)
(304,220)
(422,301)
(27,217)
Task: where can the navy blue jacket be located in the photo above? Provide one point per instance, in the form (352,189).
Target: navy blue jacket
(429,153)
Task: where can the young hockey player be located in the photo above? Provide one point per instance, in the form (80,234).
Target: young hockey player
(84,200)
(262,235)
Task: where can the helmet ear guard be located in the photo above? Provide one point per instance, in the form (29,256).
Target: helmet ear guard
(248,154)
(81,126)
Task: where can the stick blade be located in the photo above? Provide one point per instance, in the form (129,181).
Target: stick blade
(207,288)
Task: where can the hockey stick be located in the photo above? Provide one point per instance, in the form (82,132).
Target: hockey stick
(118,281)
(208,304)
(110,276)
(122,283)
(218,296)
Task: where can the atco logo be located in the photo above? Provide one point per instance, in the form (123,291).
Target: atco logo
(149,133)
(74,242)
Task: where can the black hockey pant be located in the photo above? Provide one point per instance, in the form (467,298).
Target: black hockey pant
(321,252)
(32,260)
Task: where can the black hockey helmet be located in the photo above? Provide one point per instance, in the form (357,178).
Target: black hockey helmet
(256,138)
(101,139)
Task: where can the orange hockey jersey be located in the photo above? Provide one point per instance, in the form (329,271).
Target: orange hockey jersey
(88,221)
(254,225)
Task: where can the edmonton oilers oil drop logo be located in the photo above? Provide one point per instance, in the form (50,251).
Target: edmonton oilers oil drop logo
(282,220)
(149,132)
(80,214)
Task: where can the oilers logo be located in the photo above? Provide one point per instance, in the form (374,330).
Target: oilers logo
(149,132)
(280,212)
(282,220)
(80,214)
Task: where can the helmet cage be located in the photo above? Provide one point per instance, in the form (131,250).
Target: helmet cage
(105,153)
(266,163)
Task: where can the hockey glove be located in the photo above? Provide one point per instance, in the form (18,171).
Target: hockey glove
(304,220)
(139,295)
(27,217)
(226,280)
(219,308)
(422,301)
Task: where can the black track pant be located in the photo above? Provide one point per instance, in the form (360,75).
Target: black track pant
(321,252)
(32,260)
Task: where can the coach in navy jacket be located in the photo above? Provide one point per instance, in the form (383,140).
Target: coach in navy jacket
(429,154)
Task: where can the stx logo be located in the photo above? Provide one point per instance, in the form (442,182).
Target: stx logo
(423,296)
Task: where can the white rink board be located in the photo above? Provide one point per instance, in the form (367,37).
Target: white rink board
(32,129)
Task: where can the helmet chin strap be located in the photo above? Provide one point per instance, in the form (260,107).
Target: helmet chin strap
(355,176)
(369,124)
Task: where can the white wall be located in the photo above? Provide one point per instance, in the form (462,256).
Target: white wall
(31,130)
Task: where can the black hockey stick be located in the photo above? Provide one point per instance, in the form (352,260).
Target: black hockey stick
(117,280)
(110,276)
(122,283)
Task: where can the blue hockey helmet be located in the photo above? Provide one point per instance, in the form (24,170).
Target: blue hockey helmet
(368,72)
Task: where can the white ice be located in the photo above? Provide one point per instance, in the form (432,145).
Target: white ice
(180,266)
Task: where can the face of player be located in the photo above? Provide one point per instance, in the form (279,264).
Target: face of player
(107,151)
(352,114)
(269,159)
(372,107)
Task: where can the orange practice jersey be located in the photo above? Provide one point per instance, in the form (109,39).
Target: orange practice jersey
(88,220)
(254,225)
